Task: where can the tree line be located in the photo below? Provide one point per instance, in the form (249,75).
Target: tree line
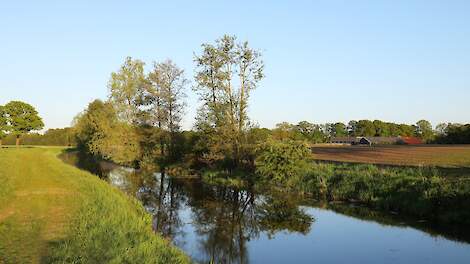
(141,119)
(140,122)
(321,133)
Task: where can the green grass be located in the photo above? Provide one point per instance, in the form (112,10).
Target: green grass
(51,212)
(421,192)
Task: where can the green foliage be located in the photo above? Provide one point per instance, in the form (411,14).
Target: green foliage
(52,137)
(22,118)
(453,134)
(282,161)
(99,133)
(420,192)
(226,73)
(4,124)
(424,130)
(126,87)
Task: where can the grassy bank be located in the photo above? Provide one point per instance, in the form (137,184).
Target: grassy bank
(419,192)
(51,212)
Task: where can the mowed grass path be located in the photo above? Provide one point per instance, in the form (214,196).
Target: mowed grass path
(53,212)
(452,156)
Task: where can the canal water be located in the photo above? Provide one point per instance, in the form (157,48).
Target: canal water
(215,224)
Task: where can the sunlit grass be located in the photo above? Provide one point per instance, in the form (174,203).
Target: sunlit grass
(53,212)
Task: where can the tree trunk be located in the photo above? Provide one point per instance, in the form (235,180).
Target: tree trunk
(0,142)
(17,140)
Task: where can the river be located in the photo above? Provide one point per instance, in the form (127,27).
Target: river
(225,225)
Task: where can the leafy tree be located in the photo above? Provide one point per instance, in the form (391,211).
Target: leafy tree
(166,94)
(352,128)
(365,128)
(126,87)
(100,133)
(4,124)
(226,73)
(424,130)
(23,118)
(441,129)
(338,129)
(283,131)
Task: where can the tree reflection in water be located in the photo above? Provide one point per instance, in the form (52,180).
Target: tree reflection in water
(224,219)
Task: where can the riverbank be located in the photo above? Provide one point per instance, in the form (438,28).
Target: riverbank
(51,212)
(433,195)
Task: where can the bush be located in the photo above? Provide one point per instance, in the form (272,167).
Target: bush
(282,161)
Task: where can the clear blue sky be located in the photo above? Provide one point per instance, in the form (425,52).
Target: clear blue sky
(325,60)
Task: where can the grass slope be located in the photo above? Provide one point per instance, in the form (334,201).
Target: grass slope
(51,212)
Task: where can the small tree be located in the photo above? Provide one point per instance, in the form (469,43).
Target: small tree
(23,118)
(4,124)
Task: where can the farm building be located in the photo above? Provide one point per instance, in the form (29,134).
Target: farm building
(376,140)
(344,140)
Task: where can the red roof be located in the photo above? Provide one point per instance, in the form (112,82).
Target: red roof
(412,140)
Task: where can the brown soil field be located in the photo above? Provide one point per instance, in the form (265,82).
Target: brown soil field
(451,156)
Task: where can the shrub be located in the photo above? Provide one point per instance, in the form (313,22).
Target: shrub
(282,161)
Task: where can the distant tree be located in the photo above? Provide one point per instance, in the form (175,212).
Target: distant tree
(305,129)
(352,128)
(453,134)
(126,87)
(394,129)
(441,129)
(4,124)
(283,131)
(382,129)
(23,118)
(339,129)
(424,130)
(406,130)
(365,128)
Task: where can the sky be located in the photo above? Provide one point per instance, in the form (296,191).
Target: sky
(325,61)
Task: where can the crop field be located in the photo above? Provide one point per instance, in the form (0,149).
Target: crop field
(451,156)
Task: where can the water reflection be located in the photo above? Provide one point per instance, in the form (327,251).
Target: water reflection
(215,224)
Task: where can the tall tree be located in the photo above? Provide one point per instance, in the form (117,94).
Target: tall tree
(226,73)
(4,124)
(23,118)
(126,87)
(165,94)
